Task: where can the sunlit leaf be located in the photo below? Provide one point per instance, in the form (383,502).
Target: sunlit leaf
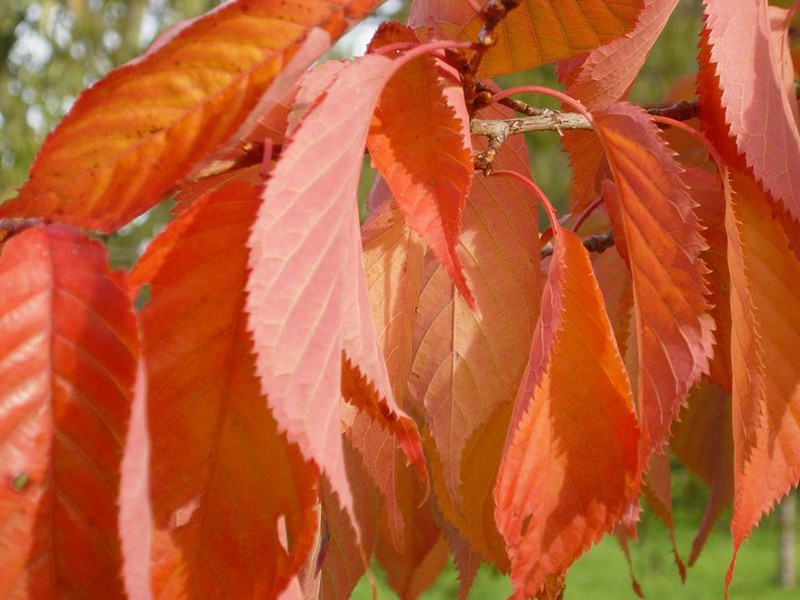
(227,488)
(132,137)
(536,32)
(662,233)
(68,359)
(570,467)
(765,293)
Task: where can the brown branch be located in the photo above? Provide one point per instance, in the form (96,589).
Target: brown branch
(594,243)
(498,130)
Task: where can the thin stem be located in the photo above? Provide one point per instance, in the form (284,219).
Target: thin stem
(538,89)
(527,181)
(586,213)
(696,135)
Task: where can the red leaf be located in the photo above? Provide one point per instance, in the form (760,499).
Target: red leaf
(218,459)
(417,143)
(749,61)
(658,492)
(68,355)
(570,467)
(135,513)
(765,293)
(663,240)
(307,297)
(534,33)
(129,139)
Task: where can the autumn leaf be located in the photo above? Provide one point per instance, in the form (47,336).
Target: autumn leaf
(341,563)
(607,73)
(467,365)
(662,233)
(534,33)
(135,511)
(417,143)
(218,459)
(68,360)
(749,57)
(702,442)
(129,139)
(307,299)
(765,292)
(570,467)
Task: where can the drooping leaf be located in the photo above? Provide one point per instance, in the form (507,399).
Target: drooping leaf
(307,298)
(467,365)
(662,233)
(68,359)
(702,442)
(536,32)
(129,139)
(342,564)
(227,488)
(707,192)
(570,467)
(658,493)
(416,563)
(393,263)
(765,293)
(135,511)
(757,100)
(417,143)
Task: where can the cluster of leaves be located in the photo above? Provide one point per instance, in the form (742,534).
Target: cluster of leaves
(248,430)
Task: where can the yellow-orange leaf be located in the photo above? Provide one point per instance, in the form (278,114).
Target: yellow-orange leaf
(571,465)
(765,294)
(536,32)
(129,139)
(218,459)
(663,241)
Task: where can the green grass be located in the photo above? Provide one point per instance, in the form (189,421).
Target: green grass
(603,572)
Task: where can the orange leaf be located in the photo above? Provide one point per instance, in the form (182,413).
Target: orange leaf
(662,233)
(658,493)
(218,458)
(765,293)
(341,563)
(607,73)
(536,32)
(702,441)
(307,298)
(393,264)
(570,467)
(749,57)
(129,139)
(68,356)
(467,365)
(417,143)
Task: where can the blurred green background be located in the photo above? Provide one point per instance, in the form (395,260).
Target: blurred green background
(51,50)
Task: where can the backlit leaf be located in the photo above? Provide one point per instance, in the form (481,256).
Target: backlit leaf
(129,139)
(749,61)
(702,441)
(570,467)
(227,489)
(68,356)
(662,233)
(536,32)
(765,294)
(417,143)
(307,298)
(466,365)
(607,73)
